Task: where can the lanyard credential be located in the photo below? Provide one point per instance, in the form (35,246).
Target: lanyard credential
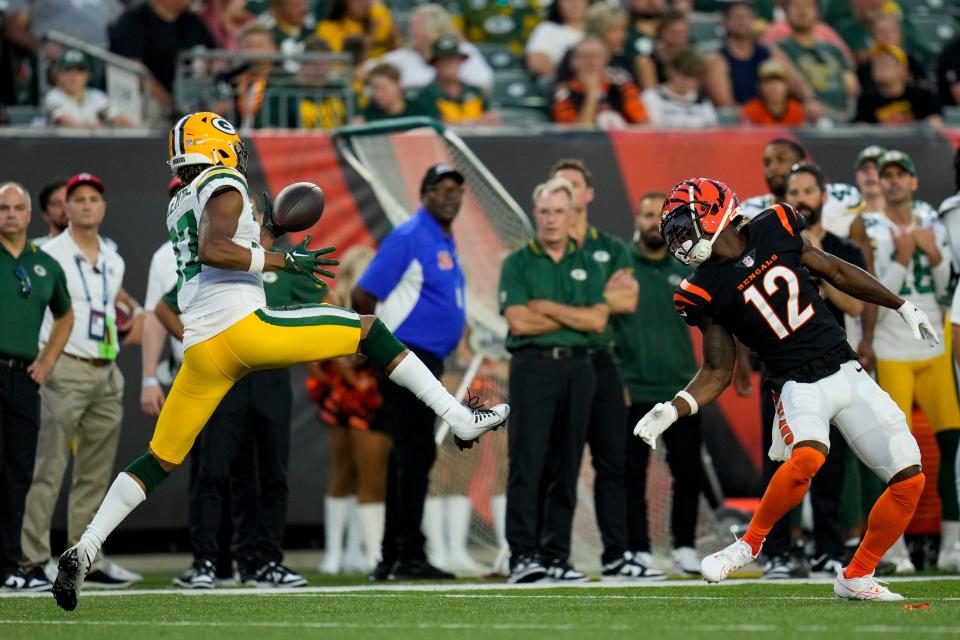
(86,288)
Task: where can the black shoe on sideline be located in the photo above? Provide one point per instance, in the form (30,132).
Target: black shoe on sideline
(417,570)
(527,569)
(381,572)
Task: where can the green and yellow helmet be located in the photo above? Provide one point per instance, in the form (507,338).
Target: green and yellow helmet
(205,138)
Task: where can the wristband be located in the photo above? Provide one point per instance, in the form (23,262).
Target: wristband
(150,382)
(257,258)
(694,407)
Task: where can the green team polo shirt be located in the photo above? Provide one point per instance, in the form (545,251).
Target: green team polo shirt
(281,288)
(530,274)
(610,254)
(654,349)
(21,315)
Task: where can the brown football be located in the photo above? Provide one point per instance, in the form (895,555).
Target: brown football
(298,206)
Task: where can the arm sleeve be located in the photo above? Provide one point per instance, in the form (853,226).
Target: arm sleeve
(161,276)
(513,288)
(690,306)
(60,300)
(941,272)
(633,108)
(620,256)
(564,109)
(539,40)
(475,69)
(385,270)
(55,104)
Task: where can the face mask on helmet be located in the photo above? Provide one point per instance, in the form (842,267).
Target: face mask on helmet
(682,227)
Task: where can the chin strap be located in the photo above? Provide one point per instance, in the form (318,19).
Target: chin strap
(703,249)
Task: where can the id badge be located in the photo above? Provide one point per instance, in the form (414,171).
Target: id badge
(98,325)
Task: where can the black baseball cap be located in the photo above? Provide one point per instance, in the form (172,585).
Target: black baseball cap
(438,172)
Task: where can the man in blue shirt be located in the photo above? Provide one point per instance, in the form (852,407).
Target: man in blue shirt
(416,286)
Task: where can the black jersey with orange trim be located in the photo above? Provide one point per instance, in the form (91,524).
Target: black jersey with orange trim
(765,298)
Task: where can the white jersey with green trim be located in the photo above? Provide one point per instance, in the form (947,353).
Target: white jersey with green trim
(843,204)
(918,282)
(211,299)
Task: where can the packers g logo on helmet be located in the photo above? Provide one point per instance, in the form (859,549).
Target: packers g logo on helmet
(205,138)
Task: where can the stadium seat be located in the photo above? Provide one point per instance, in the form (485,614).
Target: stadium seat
(706,31)
(925,7)
(499,56)
(514,88)
(523,117)
(24,115)
(936,31)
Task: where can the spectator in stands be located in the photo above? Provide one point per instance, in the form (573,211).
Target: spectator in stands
(608,23)
(773,105)
(82,400)
(506,23)
(896,101)
(28,21)
(673,34)
(153,33)
(456,102)
(782,28)
(250,84)
(678,102)
(321,111)
(645,16)
(597,95)
(948,73)
(53,210)
(30,282)
(73,104)
(887,30)
(225,19)
(387,98)
(867,178)
(368,19)
(427,23)
(831,85)
(291,23)
(562,29)
(731,75)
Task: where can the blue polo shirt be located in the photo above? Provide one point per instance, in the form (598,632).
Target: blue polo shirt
(419,285)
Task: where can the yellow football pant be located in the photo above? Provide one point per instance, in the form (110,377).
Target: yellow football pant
(929,382)
(269,338)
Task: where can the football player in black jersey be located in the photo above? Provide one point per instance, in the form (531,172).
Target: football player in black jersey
(753,283)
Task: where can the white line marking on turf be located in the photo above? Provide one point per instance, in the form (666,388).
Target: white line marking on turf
(750,628)
(382,588)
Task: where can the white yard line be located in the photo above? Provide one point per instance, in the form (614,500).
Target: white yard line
(591,626)
(457,588)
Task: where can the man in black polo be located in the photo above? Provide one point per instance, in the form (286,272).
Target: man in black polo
(608,411)
(551,294)
(30,282)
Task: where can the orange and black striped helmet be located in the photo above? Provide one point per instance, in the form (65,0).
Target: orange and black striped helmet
(694,209)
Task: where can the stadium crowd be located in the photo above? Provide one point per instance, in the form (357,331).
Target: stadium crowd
(606,63)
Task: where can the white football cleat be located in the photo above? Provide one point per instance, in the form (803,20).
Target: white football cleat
(865,588)
(481,421)
(948,561)
(716,567)
(686,562)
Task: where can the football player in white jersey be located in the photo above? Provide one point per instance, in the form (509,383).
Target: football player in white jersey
(912,258)
(229,331)
(949,557)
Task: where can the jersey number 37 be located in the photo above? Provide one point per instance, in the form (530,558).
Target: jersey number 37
(771,284)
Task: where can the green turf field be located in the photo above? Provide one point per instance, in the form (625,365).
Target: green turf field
(462,611)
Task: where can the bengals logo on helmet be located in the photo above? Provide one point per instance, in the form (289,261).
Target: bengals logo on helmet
(707,199)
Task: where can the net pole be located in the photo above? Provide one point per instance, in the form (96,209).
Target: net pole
(465,383)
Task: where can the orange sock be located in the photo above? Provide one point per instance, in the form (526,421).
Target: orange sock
(785,491)
(888,519)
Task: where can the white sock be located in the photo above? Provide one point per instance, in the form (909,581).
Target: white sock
(124,496)
(353,557)
(412,374)
(432,526)
(498,508)
(949,534)
(372,516)
(334,523)
(458,514)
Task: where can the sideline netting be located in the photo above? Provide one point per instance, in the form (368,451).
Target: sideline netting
(392,157)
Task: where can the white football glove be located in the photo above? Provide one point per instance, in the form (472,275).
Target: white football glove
(919,323)
(655,422)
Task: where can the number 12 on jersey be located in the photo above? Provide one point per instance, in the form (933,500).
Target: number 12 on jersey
(795,317)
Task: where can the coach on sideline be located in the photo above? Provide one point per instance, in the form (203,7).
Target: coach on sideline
(417,286)
(551,294)
(83,398)
(30,282)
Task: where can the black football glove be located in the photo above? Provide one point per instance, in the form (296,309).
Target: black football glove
(269,223)
(307,262)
